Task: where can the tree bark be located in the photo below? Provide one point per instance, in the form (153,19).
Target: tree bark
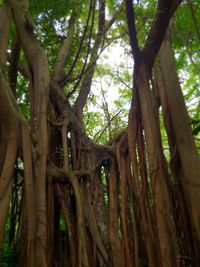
(10,135)
(157,168)
(189,158)
(40,80)
(5,14)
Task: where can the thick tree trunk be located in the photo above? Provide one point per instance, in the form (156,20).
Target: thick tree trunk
(29,198)
(157,168)
(189,158)
(115,244)
(9,133)
(40,80)
(115,199)
(6,148)
(180,211)
(5,14)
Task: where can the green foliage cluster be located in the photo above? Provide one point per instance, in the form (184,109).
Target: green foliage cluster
(51,26)
(185,43)
(10,258)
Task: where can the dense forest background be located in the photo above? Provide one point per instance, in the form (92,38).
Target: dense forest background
(99,133)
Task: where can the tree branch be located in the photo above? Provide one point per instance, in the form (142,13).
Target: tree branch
(175,5)
(190,54)
(101,16)
(61,175)
(5,12)
(83,70)
(157,31)
(64,80)
(35,56)
(132,30)
(24,71)
(86,67)
(114,18)
(106,127)
(196,24)
(87,81)
(59,66)
(63,108)
(14,62)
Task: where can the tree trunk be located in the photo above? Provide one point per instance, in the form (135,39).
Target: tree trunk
(189,158)
(86,204)
(157,168)
(10,134)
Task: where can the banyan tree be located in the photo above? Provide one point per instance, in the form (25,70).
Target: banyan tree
(66,199)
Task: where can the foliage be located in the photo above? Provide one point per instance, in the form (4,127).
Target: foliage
(100,63)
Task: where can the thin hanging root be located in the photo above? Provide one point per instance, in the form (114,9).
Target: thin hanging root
(82,252)
(94,231)
(64,205)
(6,185)
(65,148)
(29,195)
(115,243)
(122,171)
